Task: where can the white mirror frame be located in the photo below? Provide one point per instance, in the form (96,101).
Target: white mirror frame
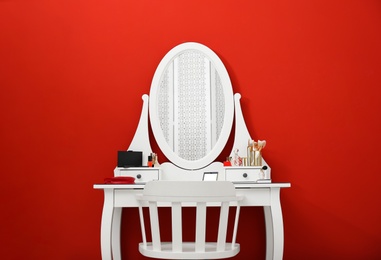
(229,107)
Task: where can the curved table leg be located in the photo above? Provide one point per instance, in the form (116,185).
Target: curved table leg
(106,225)
(116,233)
(274,227)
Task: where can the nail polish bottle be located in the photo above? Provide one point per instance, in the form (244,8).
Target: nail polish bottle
(149,163)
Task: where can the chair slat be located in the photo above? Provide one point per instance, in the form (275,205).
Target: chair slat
(222,227)
(200,226)
(177,237)
(155,229)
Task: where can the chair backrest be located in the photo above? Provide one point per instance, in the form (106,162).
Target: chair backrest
(199,194)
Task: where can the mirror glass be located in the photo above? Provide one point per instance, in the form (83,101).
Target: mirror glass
(191,105)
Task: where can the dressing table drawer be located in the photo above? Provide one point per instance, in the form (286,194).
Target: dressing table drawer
(243,173)
(141,174)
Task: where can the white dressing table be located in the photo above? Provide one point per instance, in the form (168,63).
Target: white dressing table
(191,118)
(120,196)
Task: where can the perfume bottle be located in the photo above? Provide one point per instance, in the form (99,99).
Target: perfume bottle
(237,160)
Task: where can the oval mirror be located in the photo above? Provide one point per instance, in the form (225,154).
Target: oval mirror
(191,106)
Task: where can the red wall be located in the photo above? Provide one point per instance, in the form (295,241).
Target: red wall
(72,74)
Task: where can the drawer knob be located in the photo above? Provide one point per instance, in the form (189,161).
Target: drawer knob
(138,176)
(244,175)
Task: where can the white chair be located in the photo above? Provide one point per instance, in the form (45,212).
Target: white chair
(199,194)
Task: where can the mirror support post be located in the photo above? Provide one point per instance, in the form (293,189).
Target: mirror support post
(242,134)
(140,142)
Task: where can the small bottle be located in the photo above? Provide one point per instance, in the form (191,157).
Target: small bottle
(237,160)
(156,164)
(149,163)
(227,162)
(153,159)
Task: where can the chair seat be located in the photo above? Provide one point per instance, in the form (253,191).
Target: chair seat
(189,251)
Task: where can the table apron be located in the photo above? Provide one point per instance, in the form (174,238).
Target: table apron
(252,197)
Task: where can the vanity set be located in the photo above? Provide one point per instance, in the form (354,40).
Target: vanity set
(191,109)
